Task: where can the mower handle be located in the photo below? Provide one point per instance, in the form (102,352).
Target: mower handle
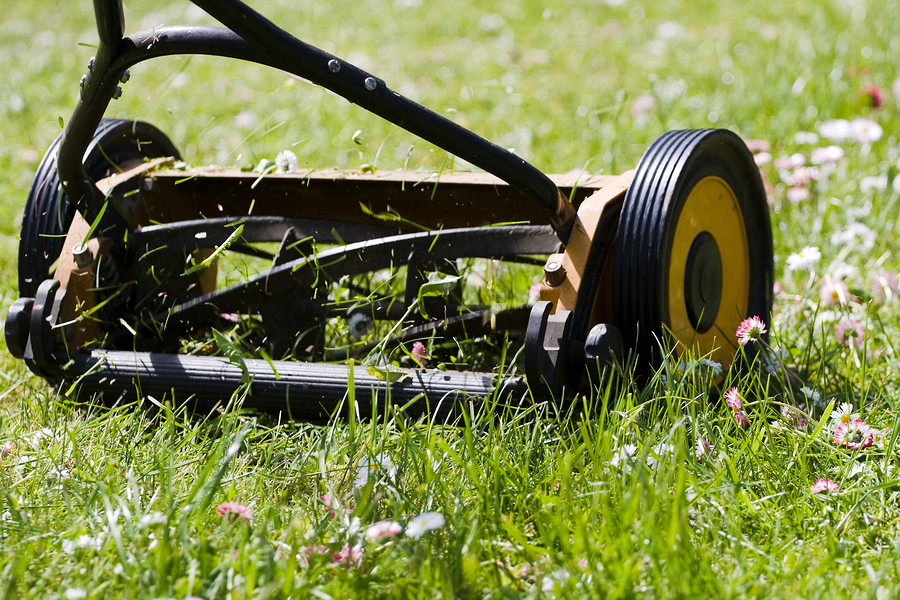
(248,35)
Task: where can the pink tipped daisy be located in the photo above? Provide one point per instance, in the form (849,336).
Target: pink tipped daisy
(742,419)
(823,486)
(233,511)
(383,529)
(855,434)
(828,154)
(850,332)
(834,291)
(733,399)
(873,95)
(703,449)
(797,194)
(348,556)
(794,416)
(750,330)
(419,354)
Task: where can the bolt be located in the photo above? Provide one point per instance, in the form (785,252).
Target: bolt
(126,75)
(371,84)
(334,65)
(91,63)
(82,255)
(554,272)
(117,94)
(83,81)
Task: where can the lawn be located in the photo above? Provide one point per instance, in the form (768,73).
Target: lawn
(786,486)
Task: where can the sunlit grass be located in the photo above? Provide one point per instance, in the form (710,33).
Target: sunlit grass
(605,497)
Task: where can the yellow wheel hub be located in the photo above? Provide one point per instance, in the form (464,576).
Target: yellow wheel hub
(711,209)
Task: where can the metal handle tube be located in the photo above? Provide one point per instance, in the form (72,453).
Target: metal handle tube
(110,21)
(97,88)
(371,93)
(270,45)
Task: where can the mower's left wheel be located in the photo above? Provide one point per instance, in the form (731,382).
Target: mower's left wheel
(117,145)
(694,254)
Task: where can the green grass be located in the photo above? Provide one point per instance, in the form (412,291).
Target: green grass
(545,502)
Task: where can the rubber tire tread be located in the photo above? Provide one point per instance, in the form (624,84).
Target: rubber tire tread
(647,225)
(49,212)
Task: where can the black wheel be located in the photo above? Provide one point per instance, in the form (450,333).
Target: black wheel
(117,146)
(694,253)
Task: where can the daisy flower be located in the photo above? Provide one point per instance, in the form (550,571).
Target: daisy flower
(642,104)
(306,555)
(234,511)
(424,522)
(844,415)
(787,163)
(742,419)
(873,94)
(419,354)
(286,162)
(383,529)
(865,131)
(855,233)
(850,332)
(703,449)
(797,194)
(873,183)
(826,154)
(750,330)
(811,394)
(794,416)
(804,260)
(348,556)
(762,158)
(659,452)
(733,399)
(711,366)
(758,145)
(843,271)
(855,434)
(823,486)
(880,436)
(885,285)
(834,291)
(381,466)
(334,504)
(836,130)
(801,176)
(625,457)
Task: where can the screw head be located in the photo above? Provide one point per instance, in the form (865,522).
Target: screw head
(554,272)
(334,65)
(371,84)
(117,94)
(126,75)
(83,81)
(91,63)
(82,255)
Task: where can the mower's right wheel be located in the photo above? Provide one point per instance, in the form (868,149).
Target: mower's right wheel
(694,253)
(117,145)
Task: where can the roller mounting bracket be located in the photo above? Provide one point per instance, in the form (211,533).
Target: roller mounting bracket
(556,361)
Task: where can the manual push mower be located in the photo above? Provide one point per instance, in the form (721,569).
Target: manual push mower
(117,261)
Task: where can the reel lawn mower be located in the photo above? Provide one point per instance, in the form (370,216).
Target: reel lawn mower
(120,247)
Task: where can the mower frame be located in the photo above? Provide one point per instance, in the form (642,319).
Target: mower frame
(140,225)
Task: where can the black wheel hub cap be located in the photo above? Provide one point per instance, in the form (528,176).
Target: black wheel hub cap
(703,281)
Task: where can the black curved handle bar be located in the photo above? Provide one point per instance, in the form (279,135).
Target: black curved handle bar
(249,36)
